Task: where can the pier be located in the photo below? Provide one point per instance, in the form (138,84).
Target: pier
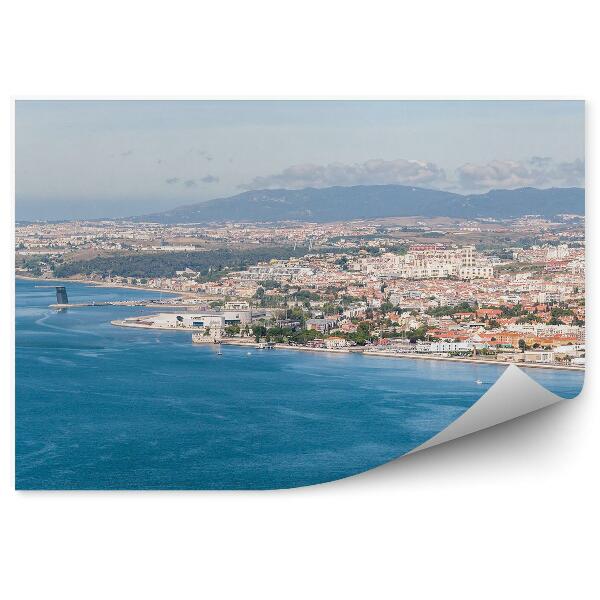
(107,303)
(146,303)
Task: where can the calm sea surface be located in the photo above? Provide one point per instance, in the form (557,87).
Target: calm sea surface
(104,407)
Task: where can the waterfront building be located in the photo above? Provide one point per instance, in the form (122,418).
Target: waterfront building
(334,343)
(237,317)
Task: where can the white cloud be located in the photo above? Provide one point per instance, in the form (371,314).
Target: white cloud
(191,183)
(370,172)
(538,171)
(535,172)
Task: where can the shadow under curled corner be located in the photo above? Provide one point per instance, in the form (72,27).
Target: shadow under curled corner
(511,402)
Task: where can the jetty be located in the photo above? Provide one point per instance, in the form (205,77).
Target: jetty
(107,303)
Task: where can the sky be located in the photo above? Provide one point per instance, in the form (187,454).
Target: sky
(113,158)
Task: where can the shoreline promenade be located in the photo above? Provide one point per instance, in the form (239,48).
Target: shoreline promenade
(357,350)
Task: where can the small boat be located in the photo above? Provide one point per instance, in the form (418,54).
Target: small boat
(478,381)
(219,353)
(249,353)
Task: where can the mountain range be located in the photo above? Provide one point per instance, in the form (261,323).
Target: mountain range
(373,201)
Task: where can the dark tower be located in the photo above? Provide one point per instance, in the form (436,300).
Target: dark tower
(61,295)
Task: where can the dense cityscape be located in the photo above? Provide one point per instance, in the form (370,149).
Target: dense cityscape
(483,289)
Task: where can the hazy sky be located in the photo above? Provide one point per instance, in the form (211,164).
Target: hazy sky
(117,158)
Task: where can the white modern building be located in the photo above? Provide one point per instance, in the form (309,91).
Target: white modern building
(435,261)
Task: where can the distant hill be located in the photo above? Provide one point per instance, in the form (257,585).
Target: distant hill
(373,201)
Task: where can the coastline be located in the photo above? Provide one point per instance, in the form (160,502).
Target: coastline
(500,363)
(240,342)
(426,357)
(382,354)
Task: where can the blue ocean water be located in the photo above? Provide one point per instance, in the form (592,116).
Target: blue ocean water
(104,407)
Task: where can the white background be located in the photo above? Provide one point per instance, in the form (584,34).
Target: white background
(509,513)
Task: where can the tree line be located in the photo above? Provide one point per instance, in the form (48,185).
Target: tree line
(209,264)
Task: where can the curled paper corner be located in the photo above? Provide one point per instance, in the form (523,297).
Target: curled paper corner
(513,395)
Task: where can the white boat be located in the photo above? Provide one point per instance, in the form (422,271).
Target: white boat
(478,381)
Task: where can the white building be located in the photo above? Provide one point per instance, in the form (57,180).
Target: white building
(278,271)
(336,342)
(435,261)
(196,320)
(451,347)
